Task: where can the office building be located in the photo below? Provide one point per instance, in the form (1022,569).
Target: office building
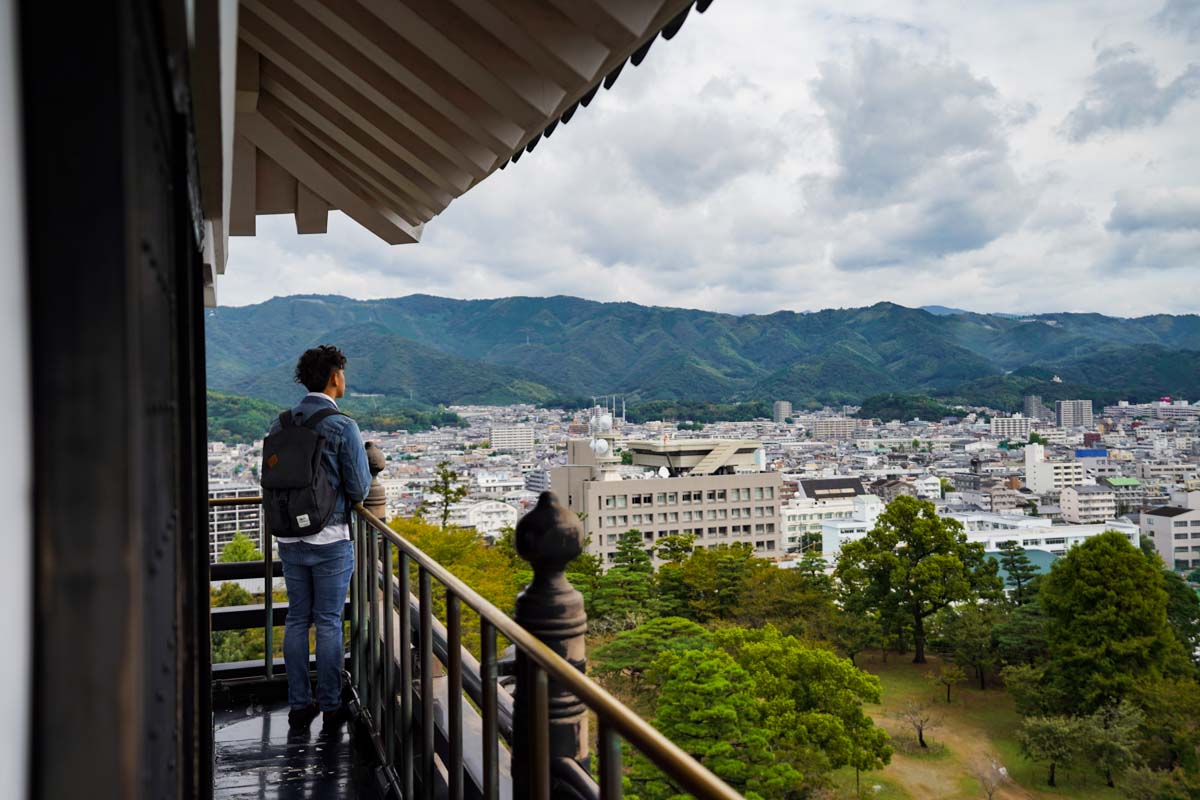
(781,411)
(512,438)
(1074,413)
(712,489)
(804,517)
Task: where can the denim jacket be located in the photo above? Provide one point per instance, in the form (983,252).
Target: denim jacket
(345,457)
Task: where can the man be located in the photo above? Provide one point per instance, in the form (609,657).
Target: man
(317,567)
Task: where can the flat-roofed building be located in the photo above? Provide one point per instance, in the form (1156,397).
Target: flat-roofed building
(781,410)
(713,490)
(1043,476)
(512,438)
(1087,504)
(834,428)
(1074,413)
(1016,427)
(1176,534)
(226,521)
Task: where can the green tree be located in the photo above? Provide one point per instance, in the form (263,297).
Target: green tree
(969,634)
(707,705)
(1054,740)
(1170,735)
(631,653)
(813,695)
(1019,571)
(947,675)
(1110,738)
(789,599)
(947,487)
(240,548)
(1106,614)
(624,595)
(917,563)
(449,489)
(1183,612)
(717,578)
(853,633)
(1021,636)
(673,594)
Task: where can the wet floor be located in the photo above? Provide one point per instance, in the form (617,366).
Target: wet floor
(257,757)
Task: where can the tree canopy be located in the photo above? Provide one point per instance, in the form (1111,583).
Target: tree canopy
(916,563)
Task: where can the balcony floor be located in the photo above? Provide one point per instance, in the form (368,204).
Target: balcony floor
(257,757)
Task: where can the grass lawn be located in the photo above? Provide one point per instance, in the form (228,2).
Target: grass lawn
(974,728)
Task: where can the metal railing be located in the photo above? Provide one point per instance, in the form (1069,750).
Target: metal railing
(528,743)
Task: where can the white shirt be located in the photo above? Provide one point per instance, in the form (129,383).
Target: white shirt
(330,533)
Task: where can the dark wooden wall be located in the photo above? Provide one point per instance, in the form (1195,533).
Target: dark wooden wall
(120,705)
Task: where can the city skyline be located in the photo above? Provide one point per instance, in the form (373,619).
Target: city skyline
(961,175)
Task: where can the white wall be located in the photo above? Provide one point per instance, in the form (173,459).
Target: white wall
(16,567)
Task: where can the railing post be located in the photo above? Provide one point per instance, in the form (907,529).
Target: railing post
(376,501)
(550,608)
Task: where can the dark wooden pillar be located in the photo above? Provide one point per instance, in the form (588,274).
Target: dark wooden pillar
(117,338)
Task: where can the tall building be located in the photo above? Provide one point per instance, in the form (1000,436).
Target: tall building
(781,410)
(225,521)
(1074,413)
(1034,408)
(712,489)
(1017,427)
(514,438)
(834,428)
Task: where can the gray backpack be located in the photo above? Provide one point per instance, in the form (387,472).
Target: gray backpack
(298,496)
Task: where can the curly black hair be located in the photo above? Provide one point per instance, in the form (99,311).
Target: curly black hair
(316,366)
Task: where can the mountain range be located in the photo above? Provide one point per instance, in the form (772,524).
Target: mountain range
(432,350)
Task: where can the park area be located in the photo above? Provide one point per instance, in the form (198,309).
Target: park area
(974,730)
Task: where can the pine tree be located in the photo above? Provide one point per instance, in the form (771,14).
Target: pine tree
(1020,570)
(625,594)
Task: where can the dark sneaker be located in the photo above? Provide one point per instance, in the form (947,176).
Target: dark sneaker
(303,717)
(337,718)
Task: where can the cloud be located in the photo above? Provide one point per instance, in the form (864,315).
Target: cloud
(922,158)
(1124,93)
(1180,16)
(1157,209)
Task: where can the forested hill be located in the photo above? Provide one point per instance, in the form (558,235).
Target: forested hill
(431,350)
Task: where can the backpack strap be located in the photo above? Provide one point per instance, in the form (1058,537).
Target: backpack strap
(312,421)
(286,420)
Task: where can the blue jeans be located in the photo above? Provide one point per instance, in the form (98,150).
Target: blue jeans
(317,577)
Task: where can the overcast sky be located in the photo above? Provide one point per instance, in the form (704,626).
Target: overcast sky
(1017,156)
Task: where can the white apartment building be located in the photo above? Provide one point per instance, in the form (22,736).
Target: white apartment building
(1017,427)
(1087,504)
(225,521)
(512,438)
(781,410)
(1176,534)
(1168,472)
(712,489)
(991,530)
(804,517)
(1043,477)
(488,517)
(1074,413)
(496,484)
(834,428)
(537,480)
